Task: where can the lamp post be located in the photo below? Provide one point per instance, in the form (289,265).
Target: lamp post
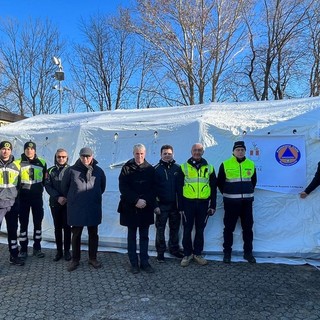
(59,76)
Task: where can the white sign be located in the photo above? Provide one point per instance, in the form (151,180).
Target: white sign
(280,162)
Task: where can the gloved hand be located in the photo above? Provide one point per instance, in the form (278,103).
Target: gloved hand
(157,211)
(211,211)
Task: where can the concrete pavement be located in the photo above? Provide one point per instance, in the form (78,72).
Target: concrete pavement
(43,289)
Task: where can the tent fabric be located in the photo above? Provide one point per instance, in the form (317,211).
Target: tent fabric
(285,225)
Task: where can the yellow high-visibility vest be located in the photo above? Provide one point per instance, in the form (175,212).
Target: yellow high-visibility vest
(196,182)
(238,183)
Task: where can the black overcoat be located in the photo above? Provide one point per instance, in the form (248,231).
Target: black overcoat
(136,182)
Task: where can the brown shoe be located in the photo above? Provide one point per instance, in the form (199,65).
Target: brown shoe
(73,266)
(95,263)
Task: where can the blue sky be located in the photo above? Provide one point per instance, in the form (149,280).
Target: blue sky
(65,14)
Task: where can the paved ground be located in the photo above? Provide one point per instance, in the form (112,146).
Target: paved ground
(43,289)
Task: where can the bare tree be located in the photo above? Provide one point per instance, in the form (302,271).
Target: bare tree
(194,40)
(25,54)
(104,64)
(275,44)
(313,33)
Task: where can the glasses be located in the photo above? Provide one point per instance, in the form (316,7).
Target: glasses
(167,154)
(85,156)
(198,150)
(61,157)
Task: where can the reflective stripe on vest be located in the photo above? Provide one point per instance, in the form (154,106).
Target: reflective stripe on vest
(31,174)
(238,180)
(238,196)
(8,178)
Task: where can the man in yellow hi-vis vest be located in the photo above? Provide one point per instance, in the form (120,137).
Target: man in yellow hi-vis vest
(9,202)
(197,192)
(33,174)
(236,181)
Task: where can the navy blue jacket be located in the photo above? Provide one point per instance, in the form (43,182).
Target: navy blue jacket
(166,181)
(83,187)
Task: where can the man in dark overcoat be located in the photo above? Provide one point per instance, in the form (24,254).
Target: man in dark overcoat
(136,207)
(83,185)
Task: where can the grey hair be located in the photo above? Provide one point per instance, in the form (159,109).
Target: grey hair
(61,150)
(139,146)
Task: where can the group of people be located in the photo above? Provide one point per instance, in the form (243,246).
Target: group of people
(75,202)
(21,188)
(160,194)
(186,192)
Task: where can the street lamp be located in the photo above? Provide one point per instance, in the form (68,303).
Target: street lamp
(59,76)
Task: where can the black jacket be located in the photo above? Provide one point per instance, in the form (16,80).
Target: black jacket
(166,181)
(53,183)
(136,182)
(315,181)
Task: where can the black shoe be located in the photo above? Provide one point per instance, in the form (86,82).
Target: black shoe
(227,258)
(160,257)
(73,266)
(58,256)
(67,255)
(147,268)
(177,254)
(249,257)
(23,255)
(38,253)
(95,263)
(16,261)
(134,269)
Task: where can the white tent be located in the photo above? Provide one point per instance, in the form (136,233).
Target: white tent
(285,225)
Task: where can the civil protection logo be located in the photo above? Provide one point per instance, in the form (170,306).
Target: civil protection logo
(288,155)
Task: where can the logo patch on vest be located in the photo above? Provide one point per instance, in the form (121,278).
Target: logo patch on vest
(288,155)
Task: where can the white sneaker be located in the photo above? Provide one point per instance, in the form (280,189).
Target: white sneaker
(200,260)
(186,260)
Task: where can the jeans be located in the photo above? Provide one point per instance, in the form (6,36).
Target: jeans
(168,212)
(143,244)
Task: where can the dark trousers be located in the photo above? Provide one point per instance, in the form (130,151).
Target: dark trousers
(76,242)
(233,210)
(195,215)
(35,203)
(62,231)
(168,212)
(143,245)
(11,216)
